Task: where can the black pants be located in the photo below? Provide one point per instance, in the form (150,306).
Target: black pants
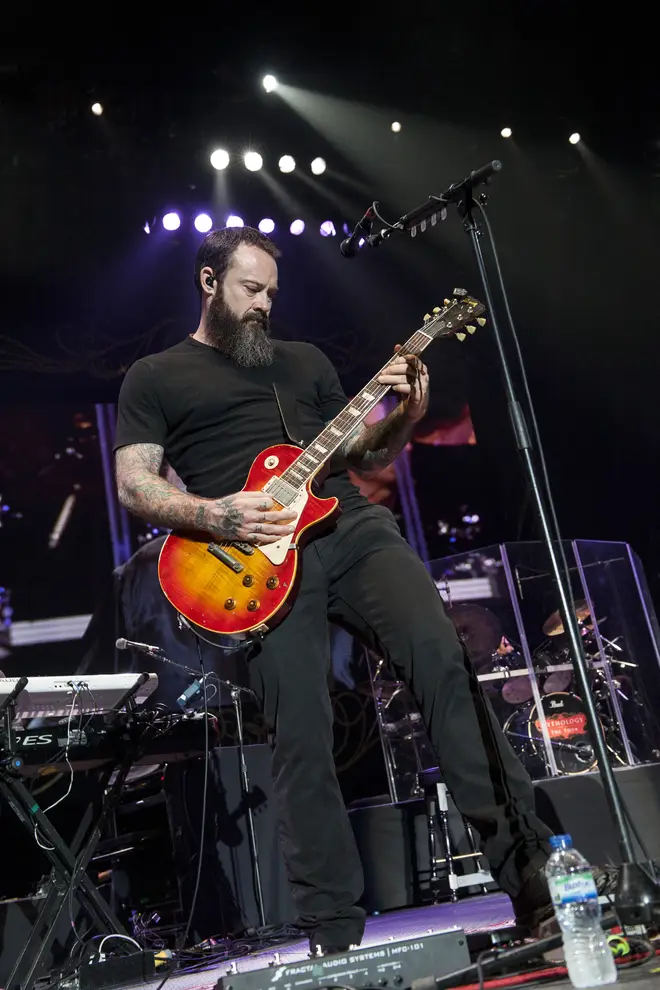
(364,576)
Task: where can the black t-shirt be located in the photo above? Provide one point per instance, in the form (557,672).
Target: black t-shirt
(212,417)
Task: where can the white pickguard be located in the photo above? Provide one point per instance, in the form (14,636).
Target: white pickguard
(276,552)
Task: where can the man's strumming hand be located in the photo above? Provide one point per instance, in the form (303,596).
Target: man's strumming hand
(251,517)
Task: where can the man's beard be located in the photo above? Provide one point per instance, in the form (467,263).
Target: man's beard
(245,341)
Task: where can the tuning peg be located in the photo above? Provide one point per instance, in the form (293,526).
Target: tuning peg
(460,292)
(447,302)
(461,336)
(427,317)
(436,309)
(481,321)
(471,329)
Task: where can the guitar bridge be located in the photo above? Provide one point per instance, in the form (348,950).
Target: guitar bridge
(225,558)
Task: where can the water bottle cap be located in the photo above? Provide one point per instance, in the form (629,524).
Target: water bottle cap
(561,842)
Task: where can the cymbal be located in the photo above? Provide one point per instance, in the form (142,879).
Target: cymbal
(479,629)
(554,625)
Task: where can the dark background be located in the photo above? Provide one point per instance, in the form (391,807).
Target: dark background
(83,290)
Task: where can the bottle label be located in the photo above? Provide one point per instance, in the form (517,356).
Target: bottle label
(572,889)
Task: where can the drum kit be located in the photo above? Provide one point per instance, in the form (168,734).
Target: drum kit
(505,677)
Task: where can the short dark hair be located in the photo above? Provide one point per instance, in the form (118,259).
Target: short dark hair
(218,246)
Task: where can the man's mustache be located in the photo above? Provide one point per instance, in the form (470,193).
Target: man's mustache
(259,318)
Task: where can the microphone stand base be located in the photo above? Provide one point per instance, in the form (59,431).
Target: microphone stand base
(637,898)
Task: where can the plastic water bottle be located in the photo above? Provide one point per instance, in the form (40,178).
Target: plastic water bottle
(588,958)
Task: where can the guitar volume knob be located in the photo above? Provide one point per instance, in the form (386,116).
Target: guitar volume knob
(272,582)
(230,604)
(253,605)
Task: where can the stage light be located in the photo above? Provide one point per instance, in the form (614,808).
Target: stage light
(220,158)
(269,83)
(146,228)
(297,227)
(171,221)
(327,229)
(234,221)
(318,166)
(252,161)
(203,223)
(506,132)
(266,226)
(97,109)
(574,138)
(287,163)
(396,126)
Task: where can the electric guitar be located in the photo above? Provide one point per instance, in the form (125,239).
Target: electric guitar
(237,590)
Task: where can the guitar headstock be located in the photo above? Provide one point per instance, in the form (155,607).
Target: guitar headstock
(453,318)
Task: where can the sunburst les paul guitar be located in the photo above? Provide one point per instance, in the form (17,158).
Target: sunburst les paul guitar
(237,590)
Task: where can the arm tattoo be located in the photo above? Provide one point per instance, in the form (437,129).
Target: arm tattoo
(144,492)
(371,448)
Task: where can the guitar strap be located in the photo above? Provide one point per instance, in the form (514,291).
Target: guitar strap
(286,404)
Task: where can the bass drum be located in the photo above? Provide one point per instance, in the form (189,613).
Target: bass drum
(567,728)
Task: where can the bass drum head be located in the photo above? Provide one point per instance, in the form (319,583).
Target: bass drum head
(567,727)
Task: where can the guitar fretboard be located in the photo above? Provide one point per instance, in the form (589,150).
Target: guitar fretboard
(350,418)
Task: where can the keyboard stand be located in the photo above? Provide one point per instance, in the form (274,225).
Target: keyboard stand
(69,876)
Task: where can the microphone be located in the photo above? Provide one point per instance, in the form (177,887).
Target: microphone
(350,247)
(190,692)
(129,644)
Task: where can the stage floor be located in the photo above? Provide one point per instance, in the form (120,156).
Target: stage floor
(471,914)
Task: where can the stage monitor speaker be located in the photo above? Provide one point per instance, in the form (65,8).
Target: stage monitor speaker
(226,903)
(576,805)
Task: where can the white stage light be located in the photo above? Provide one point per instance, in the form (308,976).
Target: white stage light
(574,138)
(318,166)
(252,161)
(396,126)
(220,158)
(287,163)
(269,83)
(506,132)
(97,109)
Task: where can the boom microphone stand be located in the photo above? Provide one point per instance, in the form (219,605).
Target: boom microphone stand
(638,892)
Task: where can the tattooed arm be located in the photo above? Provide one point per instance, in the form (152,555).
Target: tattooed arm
(371,448)
(243,516)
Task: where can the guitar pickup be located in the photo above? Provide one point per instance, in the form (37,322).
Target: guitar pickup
(245,548)
(225,558)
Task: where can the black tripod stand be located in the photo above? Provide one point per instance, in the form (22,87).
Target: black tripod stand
(638,893)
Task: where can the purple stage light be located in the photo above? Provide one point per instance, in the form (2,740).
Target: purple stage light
(266,226)
(203,223)
(327,229)
(234,221)
(297,227)
(171,221)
